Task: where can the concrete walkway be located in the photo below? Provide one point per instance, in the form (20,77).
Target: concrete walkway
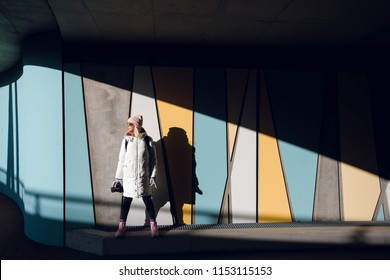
(280,238)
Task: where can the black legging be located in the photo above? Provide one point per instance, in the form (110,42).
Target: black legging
(126,203)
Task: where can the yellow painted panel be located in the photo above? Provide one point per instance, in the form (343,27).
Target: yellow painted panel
(360,187)
(273,199)
(174,92)
(172,116)
(187,210)
(360,193)
(232,132)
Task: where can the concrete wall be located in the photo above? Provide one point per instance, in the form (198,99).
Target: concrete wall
(107,110)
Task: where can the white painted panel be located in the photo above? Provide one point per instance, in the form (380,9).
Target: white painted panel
(387,194)
(243,176)
(143,102)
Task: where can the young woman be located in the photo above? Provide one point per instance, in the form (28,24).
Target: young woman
(136,172)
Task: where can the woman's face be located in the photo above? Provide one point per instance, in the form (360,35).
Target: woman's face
(130,127)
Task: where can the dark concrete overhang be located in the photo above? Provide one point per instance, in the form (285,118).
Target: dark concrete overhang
(328,26)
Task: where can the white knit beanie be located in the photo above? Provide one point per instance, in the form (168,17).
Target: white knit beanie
(136,120)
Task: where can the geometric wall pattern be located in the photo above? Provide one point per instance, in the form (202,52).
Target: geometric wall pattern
(233,145)
(295,115)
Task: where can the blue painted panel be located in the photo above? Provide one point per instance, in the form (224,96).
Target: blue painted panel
(40,152)
(300,167)
(78,189)
(4,96)
(296,103)
(381,216)
(210,143)
(13,179)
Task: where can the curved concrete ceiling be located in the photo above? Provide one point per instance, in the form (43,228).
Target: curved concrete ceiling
(264,23)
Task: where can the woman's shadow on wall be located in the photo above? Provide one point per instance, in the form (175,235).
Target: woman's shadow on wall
(179,183)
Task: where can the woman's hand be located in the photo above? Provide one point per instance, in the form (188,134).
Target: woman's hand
(152,182)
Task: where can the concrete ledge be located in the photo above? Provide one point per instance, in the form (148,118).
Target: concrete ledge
(249,237)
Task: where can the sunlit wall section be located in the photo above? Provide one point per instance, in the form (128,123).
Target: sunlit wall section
(210,142)
(360,182)
(143,103)
(174,92)
(78,188)
(244,166)
(274,205)
(41,152)
(4,112)
(296,99)
(107,90)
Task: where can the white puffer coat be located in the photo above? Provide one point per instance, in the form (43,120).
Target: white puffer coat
(136,165)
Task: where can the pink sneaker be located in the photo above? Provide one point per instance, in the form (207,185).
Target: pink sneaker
(121,229)
(154,229)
